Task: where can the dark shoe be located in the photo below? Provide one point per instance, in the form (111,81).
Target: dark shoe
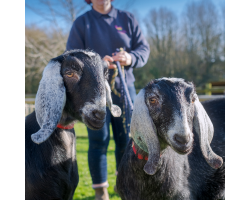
(101,194)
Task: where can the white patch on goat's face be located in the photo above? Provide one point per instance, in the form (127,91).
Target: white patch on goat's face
(179,126)
(98,104)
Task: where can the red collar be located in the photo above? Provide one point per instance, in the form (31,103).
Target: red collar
(70,126)
(140,156)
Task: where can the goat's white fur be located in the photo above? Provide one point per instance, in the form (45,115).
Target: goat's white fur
(205,129)
(50,101)
(201,117)
(179,126)
(141,121)
(114,109)
(143,131)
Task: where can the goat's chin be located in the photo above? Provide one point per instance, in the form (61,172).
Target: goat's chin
(93,123)
(183,152)
(184,149)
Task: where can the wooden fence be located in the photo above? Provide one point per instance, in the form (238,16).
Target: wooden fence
(213,88)
(29,108)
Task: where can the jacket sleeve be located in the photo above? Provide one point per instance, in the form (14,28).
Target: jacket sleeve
(76,35)
(140,48)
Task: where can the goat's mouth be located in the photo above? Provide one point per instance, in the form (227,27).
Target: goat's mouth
(182,149)
(93,124)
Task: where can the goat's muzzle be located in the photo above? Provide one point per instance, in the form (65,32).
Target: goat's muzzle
(94,124)
(99,114)
(182,148)
(95,120)
(182,144)
(93,116)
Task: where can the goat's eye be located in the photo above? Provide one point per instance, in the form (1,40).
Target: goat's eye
(193,99)
(152,100)
(69,74)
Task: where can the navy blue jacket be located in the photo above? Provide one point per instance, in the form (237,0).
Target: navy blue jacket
(104,33)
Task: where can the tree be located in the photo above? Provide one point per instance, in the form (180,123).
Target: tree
(40,47)
(44,43)
(162,30)
(202,42)
(192,47)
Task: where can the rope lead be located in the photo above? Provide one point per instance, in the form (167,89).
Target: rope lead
(124,95)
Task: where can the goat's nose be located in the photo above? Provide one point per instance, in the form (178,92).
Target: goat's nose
(182,139)
(99,114)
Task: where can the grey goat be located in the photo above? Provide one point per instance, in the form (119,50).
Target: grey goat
(73,87)
(177,147)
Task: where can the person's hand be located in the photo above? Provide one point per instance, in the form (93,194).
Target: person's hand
(123,57)
(109,61)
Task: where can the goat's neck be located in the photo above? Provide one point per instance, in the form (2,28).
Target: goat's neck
(66,119)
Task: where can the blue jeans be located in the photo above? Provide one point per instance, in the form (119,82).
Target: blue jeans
(99,141)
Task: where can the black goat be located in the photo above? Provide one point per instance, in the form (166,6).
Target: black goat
(73,87)
(170,154)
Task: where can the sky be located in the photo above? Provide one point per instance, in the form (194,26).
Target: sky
(142,8)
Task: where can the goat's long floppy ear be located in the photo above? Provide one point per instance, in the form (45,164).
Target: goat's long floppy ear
(114,109)
(204,127)
(143,132)
(50,101)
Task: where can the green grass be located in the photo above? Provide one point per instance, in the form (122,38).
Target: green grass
(84,189)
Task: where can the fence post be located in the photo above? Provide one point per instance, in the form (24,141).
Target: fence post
(208,87)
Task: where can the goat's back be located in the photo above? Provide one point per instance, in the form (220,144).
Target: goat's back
(50,167)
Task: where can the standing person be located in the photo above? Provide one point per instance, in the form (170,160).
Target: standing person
(105,29)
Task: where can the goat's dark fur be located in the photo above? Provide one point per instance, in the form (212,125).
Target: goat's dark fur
(51,167)
(179,177)
(49,172)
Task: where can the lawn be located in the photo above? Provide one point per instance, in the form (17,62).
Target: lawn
(84,189)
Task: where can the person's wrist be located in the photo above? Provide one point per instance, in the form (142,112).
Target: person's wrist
(132,60)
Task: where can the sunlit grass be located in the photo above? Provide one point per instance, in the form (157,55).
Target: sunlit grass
(84,189)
